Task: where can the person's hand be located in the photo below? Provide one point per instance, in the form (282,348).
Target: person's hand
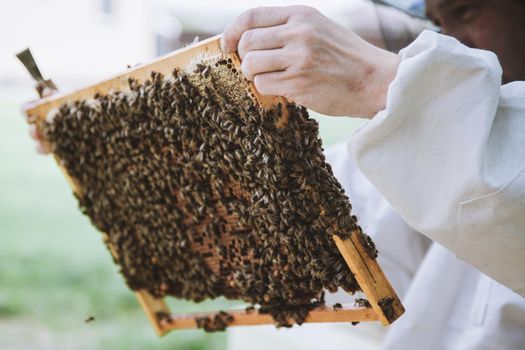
(33,130)
(40,146)
(298,53)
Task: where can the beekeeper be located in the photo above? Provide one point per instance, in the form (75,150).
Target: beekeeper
(444,147)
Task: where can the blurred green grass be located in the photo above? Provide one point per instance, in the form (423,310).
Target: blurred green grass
(54,269)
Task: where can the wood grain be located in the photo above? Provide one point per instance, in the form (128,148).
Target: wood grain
(370,277)
(242,318)
(183,59)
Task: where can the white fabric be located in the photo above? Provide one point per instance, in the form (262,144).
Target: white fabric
(449,304)
(448,153)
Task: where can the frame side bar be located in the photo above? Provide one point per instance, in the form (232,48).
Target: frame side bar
(152,308)
(371,278)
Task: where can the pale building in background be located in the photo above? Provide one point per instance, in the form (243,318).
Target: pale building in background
(205,18)
(74,42)
(81,41)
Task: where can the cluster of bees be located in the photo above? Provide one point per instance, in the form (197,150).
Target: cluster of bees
(218,322)
(202,193)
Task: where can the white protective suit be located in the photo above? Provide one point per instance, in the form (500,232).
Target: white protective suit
(448,153)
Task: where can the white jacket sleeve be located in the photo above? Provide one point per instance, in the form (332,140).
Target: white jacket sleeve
(448,153)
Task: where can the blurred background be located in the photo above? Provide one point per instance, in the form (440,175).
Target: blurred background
(55,272)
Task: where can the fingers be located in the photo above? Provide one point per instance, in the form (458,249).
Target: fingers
(274,83)
(40,146)
(261,39)
(33,132)
(263,61)
(260,17)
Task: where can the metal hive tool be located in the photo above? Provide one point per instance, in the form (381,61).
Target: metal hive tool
(353,247)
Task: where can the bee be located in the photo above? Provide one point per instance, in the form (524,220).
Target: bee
(337,306)
(206,72)
(362,303)
(89,319)
(199,68)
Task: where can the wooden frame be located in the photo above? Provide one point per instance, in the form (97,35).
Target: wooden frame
(385,306)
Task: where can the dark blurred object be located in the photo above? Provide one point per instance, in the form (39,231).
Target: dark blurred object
(28,61)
